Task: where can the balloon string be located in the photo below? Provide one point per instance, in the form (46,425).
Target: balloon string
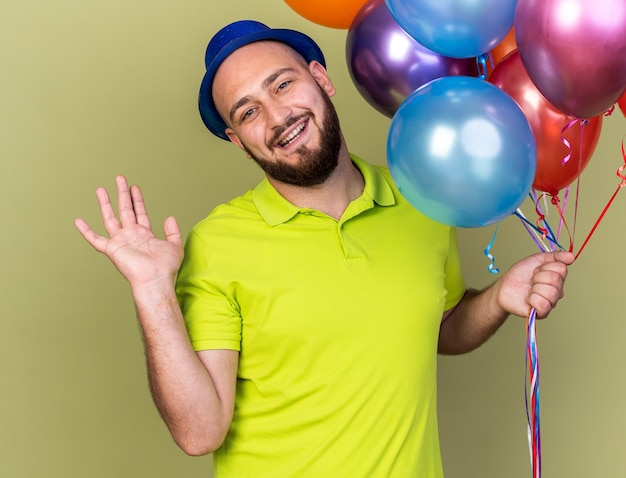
(533,405)
(532,231)
(621,184)
(535,198)
(556,202)
(541,219)
(565,198)
(544,221)
(492,267)
(566,142)
(537,233)
(532,356)
(583,123)
(545,229)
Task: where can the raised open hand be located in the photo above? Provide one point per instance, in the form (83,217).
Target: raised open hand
(138,254)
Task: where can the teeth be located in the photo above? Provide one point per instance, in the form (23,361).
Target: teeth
(293,135)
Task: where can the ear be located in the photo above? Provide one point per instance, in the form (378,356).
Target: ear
(233,137)
(321,76)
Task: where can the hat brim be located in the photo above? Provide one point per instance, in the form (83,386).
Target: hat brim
(300,42)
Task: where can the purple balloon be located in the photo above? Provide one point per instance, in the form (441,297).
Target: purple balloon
(387,64)
(574,52)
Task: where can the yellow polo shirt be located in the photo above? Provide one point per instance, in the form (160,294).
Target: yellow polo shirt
(336,322)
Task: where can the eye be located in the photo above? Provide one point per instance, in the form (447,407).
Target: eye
(283,85)
(247,114)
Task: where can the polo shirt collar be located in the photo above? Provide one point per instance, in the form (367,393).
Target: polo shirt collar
(275,209)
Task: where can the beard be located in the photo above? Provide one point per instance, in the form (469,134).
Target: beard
(314,165)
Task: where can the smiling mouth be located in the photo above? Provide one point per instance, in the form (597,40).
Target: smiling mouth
(293,135)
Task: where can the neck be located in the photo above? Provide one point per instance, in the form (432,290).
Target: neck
(332,196)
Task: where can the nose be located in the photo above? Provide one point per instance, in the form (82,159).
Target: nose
(277,113)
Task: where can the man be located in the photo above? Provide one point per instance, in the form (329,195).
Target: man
(301,337)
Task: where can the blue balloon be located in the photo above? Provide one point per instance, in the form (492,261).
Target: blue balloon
(462,152)
(455,28)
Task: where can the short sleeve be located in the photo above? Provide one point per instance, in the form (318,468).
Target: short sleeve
(454,282)
(211,315)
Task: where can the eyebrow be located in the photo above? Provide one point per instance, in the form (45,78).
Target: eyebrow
(266,83)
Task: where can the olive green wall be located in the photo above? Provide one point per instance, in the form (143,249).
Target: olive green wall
(90,89)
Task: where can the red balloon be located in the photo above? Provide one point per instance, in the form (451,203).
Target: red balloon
(574,51)
(548,125)
(622,104)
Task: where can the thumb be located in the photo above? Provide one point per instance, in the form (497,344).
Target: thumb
(172,231)
(565,257)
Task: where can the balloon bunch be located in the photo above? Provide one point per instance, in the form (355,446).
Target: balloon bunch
(564,66)
(491,101)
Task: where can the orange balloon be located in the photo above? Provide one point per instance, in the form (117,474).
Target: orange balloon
(506,46)
(329,13)
(622,104)
(550,126)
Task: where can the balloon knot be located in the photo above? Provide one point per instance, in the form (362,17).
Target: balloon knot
(481,65)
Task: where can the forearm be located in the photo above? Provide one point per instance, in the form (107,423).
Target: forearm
(193,392)
(536,282)
(472,322)
(181,385)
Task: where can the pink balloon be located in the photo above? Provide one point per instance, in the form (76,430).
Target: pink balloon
(574,52)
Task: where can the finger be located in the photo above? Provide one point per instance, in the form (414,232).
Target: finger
(96,241)
(139,207)
(544,298)
(564,257)
(172,231)
(125,207)
(553,272)
(542,306)
(551,292)
(111,224)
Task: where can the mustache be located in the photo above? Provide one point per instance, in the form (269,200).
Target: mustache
(288,124)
